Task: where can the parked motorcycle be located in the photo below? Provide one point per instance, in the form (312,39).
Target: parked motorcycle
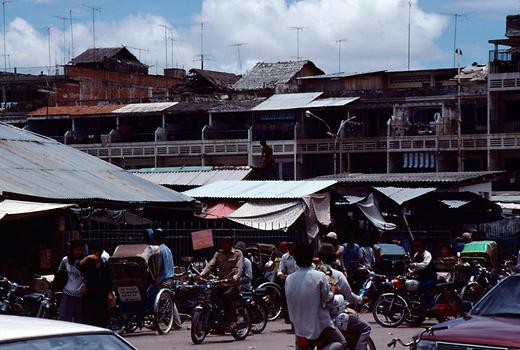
(209,316)
(406,303)
(480,282)
(16,299)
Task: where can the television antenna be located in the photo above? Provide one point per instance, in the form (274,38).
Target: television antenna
(339,42)
(172,43)
(202,57)
(48,29)
(138,49)
(94,10)
(4,2)
(239,57)
(456,17)
(298,30)
(167,29)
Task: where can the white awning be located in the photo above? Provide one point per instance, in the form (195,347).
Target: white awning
(331,102)
(268,215)
(10,208)
(401,195)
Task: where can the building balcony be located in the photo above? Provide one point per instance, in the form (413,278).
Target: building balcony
(245,147)
(504,81)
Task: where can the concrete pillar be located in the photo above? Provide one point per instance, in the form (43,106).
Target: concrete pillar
(202,150)
(250,146)
(295,152)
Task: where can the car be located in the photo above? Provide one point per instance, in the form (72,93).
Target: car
(493,323)
(19,333)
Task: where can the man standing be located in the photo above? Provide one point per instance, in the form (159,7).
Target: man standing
(247,272)
(351,256)
(307,290)
(269,164)
(165,275)
(355,325)
(422,266)
(287,267)
(229,263)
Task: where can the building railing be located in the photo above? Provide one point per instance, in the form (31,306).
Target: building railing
(241,147)
(504,81)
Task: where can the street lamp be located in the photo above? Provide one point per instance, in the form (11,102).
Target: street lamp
(336,135)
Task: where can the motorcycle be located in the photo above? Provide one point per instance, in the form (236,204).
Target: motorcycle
(257,308)
(208,316)
(406,303)
(479,283)
(16,300)
(373,287)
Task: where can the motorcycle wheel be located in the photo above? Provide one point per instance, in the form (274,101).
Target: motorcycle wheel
(243,324)
(472,292)
(273,299)
(258,318)
(199,328)
(387,317)
(370,344)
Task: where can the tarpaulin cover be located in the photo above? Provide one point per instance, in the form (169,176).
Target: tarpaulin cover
(370,208)
(219,210)
(267,214)
(22,208)
(317,210)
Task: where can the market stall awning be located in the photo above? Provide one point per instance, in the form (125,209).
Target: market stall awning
(12,209)
(370,208)
(402,195)
(268,215)
(219,210)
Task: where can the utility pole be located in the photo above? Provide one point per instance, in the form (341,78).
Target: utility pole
(458,53)
(202,45)
(239,58)
(339,42)
(297,30)
(5,49)
(456,17)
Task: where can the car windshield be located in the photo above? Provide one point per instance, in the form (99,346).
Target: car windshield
(504,300)
(70,342)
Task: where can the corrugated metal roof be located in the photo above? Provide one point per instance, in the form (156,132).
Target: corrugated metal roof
(331,102)
(74,110)
(342,75)
(401,195)
(145,107)
(287,101)
(259,189)
(454,203)
(12,207)
(446,177)
(38,167)
(193,177)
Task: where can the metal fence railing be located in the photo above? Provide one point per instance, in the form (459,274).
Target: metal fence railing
(179,240)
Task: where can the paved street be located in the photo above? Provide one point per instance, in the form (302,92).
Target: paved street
(275,337)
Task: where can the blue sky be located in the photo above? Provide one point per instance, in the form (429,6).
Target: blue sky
(375,29)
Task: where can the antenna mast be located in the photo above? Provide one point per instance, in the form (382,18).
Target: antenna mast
(239,57)
(297,30)
(409,30)
(5,50)
(94,10)
(339,42)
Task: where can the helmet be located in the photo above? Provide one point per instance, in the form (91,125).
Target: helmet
(412,285)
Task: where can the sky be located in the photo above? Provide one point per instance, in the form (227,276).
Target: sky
(373,33)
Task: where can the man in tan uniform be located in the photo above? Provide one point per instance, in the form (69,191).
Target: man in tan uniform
(228,263)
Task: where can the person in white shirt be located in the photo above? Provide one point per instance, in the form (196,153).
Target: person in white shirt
(287,264)
(423,268)
(307,291)
(366,255)
(353,324)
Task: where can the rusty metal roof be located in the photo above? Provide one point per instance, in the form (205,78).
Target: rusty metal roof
(33,167)
(74,110)
(101,54)
(259,189)
(221,80)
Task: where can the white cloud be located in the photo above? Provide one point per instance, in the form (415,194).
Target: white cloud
(376,31)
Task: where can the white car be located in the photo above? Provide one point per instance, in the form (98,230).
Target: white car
(17,333)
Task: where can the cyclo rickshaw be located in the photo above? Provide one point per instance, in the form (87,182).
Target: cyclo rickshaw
(138,303)
(484,252)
